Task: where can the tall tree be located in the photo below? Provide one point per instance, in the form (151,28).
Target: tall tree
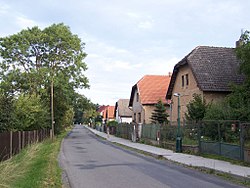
(40,55)
(46,62)
(159,114)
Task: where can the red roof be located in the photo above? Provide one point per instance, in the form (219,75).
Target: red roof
(108,112)
(111,112)
(151,89)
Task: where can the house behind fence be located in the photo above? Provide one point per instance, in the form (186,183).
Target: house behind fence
(11,143)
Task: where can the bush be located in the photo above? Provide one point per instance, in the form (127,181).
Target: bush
(112,123)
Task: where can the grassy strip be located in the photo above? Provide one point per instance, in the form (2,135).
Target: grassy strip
(232,161)
(36,166)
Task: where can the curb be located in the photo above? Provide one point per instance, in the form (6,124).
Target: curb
(201,168)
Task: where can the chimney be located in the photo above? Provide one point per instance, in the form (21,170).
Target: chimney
(170,74)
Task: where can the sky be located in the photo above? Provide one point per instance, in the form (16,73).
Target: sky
(126,40)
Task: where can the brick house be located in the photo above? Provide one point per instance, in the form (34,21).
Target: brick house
(208,71)
(145,94)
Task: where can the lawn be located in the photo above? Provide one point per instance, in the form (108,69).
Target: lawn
(36,166)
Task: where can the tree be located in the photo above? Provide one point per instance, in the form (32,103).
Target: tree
(219,111)
(47,63)
(40,55)
(239,99)
(243,53)
(7,120)
(30,113)
(159,114)
(196,108)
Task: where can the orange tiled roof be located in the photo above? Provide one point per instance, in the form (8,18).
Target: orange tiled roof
(151,88)
(111,111)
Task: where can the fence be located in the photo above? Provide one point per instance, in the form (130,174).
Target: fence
(230,139)
(124,130)
(12,143)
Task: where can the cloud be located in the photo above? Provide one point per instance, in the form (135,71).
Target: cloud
(141,20)
(145,25)
(24,22)
(4,8)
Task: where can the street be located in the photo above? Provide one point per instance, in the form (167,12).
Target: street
(92,162)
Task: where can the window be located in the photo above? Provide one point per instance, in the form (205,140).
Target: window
(137,97)
(182,81)
(134,117)
(187,81)
(139,117)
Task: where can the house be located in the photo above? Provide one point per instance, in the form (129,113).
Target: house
(122,113)
(145,94)
(207,71)
(108,114)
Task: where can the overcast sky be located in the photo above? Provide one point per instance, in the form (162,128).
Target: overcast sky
(127,39)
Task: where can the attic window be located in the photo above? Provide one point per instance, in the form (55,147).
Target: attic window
(182,81)
(137,97)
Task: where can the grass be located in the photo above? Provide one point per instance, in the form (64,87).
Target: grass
(218,157)
(36,166)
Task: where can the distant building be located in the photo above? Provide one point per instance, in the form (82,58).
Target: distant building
(122,112)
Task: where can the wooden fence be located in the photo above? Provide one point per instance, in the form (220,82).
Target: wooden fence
(12,143)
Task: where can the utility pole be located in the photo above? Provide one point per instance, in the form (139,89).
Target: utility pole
(52,107)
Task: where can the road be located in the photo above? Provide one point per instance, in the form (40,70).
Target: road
(91,162)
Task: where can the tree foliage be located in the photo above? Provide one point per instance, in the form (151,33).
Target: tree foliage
(219,111)
(196,108)
(30,113)
(7,120)
(30,61)
(239,99)
(159,114)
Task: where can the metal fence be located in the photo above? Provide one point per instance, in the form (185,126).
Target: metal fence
(12,143)
(230,139)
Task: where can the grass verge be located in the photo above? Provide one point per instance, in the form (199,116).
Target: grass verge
(36,166)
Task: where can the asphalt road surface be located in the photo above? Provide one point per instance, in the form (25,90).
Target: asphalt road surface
(91,162)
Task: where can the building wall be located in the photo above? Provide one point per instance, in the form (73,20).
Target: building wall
(148,113)
(137,109)
(125,119)
(214,96)
(185,91)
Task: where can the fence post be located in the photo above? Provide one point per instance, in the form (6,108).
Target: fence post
(242,140)
(19,141)
(219,134)
(11,141)
(23,142)
(34,136)
(199,135)
(51,134)
(29,141)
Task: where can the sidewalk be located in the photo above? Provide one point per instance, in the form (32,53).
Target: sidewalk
(190,160)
